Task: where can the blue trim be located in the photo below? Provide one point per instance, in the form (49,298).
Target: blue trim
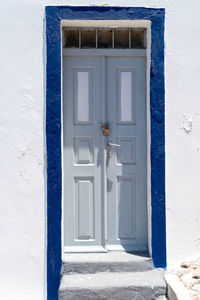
(54,15)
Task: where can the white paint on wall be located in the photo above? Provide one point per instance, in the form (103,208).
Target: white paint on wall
(22,138)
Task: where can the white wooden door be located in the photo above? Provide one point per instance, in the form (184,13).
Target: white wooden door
(104,177)
(126,161)
(82,154)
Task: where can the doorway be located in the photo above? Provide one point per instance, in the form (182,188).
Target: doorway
(105,173)
(154,20)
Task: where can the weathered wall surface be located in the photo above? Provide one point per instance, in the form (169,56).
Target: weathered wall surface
(22,138)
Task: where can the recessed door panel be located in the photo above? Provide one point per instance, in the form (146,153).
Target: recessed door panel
(84,209)
(126,95)
(83,88)
(126,208)
(126,153)
(84,150)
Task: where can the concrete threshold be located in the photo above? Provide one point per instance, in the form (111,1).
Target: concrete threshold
(106,262)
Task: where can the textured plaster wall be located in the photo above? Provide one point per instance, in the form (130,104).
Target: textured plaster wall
(22,138)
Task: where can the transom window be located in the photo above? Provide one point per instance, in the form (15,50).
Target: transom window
(105,38)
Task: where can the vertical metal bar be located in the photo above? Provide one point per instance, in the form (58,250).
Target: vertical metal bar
(113,38)
(79,38)
(145,38)
(96,38)
(129,35)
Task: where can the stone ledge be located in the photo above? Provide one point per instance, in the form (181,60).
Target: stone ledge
(175,288)
(148,285)
(106,262)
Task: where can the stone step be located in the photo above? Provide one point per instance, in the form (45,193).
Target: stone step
(145,285)
(90,263)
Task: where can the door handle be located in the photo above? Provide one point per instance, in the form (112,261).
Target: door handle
(113,145)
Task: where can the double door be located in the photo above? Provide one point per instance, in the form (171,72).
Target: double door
(104,175)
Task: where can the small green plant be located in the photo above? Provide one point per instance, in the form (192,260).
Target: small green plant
(105,125)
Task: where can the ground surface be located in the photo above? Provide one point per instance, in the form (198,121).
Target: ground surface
(189,275)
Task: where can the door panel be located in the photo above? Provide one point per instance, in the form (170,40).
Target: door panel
(125,204)
(82,149)
(84,208)
(126,162)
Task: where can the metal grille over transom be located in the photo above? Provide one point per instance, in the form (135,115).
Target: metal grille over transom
(105,38)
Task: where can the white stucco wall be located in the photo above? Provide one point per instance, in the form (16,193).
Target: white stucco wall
(22,138)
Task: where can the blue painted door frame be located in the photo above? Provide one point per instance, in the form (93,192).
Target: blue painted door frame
(54,16)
